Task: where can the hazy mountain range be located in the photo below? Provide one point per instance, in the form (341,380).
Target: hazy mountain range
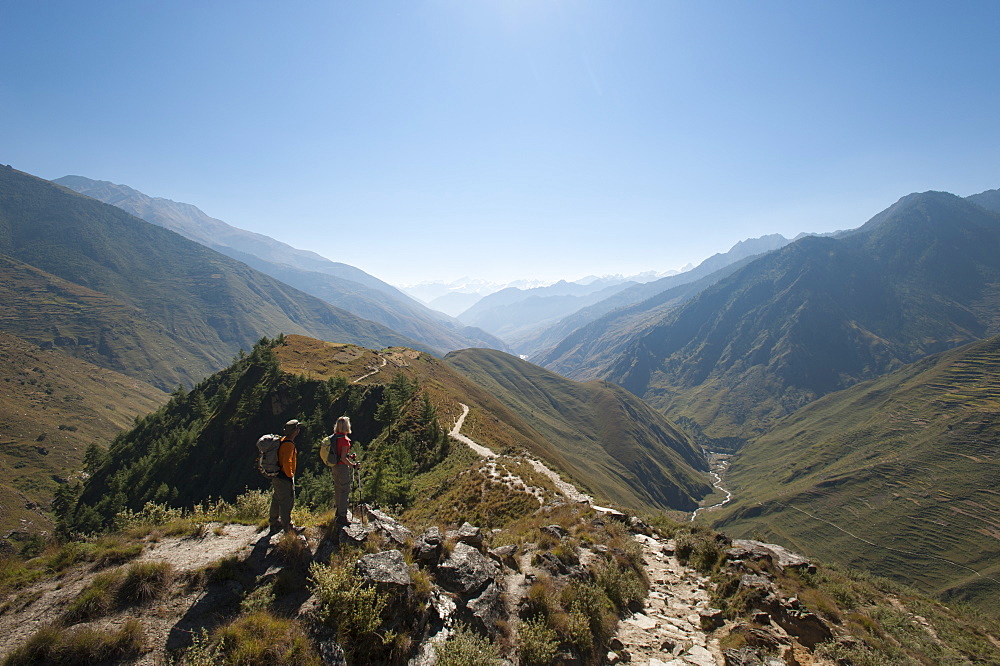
(336,283)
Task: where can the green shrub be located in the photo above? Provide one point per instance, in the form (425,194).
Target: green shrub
(352,608)
(621,584)
(538,643)
(467,648)
(203,651)
(260,598)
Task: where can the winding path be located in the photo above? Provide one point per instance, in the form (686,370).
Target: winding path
(667,631)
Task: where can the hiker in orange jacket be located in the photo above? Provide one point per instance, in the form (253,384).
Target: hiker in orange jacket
(283,498)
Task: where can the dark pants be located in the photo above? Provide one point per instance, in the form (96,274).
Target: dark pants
(281,502)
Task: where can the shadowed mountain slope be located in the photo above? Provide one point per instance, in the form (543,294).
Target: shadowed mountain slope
(336,283)
(898,475)
(822,314)
(585,352)
(207,305)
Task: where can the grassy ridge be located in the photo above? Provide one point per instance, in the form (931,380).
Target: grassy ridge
(907,462)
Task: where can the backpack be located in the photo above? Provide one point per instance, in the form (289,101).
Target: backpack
(267,459)
(328,450)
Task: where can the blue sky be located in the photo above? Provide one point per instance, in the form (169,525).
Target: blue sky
(504,140)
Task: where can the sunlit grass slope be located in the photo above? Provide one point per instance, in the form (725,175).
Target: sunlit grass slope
(52,407)
(900,475)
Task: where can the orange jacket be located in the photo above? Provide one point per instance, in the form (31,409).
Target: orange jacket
(287,457)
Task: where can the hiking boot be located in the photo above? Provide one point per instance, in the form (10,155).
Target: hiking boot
(298,529)
(342,522)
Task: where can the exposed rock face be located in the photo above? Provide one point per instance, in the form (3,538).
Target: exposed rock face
(505,556)
(466,571)
(486,610)
(427,547)
(387,570)
(782,558)
(387,525)
(467,534)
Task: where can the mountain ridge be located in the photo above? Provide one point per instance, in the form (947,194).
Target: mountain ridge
(339,284)
(210,305)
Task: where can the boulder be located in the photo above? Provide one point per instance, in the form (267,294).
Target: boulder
(781,557)
(466,571)
(744,656)
(554,530)
(380,521)
(505,556)
(485,611)
(427,547)
(387,570)
(470,535)
(710,619)
(807,627)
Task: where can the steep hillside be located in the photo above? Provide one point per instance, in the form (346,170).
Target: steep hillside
(52,408)
(209,305)
(336,283)
(990,200)
(820,315)
(898,475)
(615,444)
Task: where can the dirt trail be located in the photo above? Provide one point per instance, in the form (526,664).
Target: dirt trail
(667,631)
(164,622)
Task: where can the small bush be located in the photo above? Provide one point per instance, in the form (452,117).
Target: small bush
(151,514)
(262,638)
(145,581)
(203,651)
(467,648)
(621,584)
(55,645)
(538,643)
(97,599)
(260,598)
(353,609)
(292,549)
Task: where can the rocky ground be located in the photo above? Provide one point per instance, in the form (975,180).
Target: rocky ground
(482,588)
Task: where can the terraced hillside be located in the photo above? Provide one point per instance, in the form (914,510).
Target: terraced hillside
(900,475)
